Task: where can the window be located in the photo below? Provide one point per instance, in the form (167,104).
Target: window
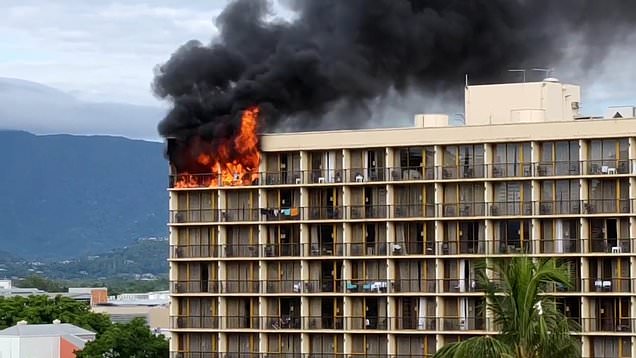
(559,158)
(511,160)
(464,161)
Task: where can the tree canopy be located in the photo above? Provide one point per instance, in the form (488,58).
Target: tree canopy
(130,340)
(530,323)
(40,309)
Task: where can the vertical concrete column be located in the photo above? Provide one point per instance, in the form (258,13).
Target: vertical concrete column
(535,237)
(488,198)
(584,238)
(489,225)
(172,272)
(632,231)
(305,248)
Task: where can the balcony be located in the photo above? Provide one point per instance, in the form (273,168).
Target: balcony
(194,216)
(282,250)
(293,177)
(511,170)
(240,322)
(452,285)
(280,322)
(415,285)
(559,207)
(463,209)
(193,251)
(281,214)
(411,173)
(418,323)
(366,249)
(470,247)
(413,210)
(367,322)
(611,324)
(511,208)
(610,245)
(462,171)
(323,322)
(606,167)
(453,323)
(612,284)
(284,286)
(195,354)
(327,249)
(209,322)
(327,285)
(606,206)
(241,250)
(325,213)
(513,247)
(560,246)
(365,175)
(367,286)
(240,286)
(194,286)
(358,212)
(558,168)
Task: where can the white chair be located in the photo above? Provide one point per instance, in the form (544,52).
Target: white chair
(297,181)
(321,180)
(617,249)
(359,178)
(611,170)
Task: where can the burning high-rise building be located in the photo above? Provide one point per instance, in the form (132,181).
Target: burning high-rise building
(363,243)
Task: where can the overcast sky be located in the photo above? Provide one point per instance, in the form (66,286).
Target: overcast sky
(106,50)
(99,50)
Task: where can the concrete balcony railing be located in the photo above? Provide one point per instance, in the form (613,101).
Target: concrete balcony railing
(609,324)
(192,321)
(608,284)
(415,285)
(194,286)
(406,211)
(418,173)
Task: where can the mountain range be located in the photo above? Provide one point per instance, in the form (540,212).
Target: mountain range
(73,194)
(63,196)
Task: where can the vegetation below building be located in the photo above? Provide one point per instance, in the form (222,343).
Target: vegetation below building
(139,267)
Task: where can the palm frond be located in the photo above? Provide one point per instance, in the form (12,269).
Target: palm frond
(482,346)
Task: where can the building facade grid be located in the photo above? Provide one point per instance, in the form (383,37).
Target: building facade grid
(370,251)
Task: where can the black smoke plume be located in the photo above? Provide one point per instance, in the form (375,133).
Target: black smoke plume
(349,53)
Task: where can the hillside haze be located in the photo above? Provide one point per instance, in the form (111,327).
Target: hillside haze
(40,109)
(65,196)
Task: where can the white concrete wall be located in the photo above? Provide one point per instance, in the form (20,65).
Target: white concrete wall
(39,347)
(9,347)
(501,103)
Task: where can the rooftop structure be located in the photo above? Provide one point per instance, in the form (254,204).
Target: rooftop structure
(43,340)
(363,243)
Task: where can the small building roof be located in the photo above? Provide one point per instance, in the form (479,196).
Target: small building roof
(44,330)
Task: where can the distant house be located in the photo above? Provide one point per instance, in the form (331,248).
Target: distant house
(57,340)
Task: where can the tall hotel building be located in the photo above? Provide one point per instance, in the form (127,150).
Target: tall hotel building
(363,243)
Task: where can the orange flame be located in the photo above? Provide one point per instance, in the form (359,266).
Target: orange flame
(235,162)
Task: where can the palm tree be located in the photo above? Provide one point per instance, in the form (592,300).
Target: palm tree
(530,323)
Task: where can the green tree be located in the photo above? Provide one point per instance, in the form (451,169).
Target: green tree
(530,323)
(130,340)
(43,309)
